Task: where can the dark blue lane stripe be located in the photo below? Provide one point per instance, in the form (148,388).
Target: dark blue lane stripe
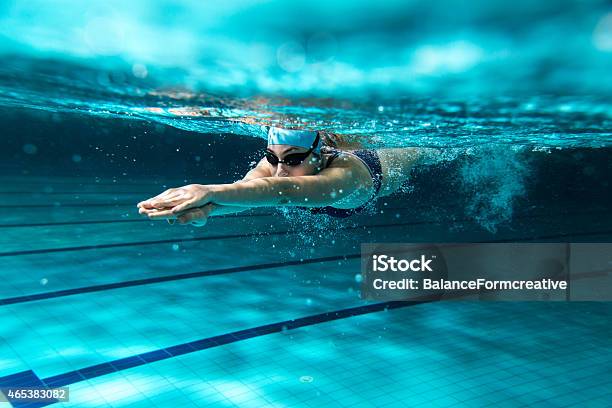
(129,244)
(24,379)
(286,232)
(159,184)
(98,370)
(168,278)
(60,205)
(246,214)
(240,215)
(93,183)
(266,214)
(192,275)
(55,224)
(29,379)
(142,220)
(44,193)
(206,238)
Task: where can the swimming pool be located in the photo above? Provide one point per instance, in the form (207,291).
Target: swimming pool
(259,309)
(263,308)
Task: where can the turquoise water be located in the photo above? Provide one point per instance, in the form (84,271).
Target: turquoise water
(262,308)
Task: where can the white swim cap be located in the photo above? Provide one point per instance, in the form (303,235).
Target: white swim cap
(299,138)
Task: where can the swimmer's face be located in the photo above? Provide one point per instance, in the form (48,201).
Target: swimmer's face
(308,167)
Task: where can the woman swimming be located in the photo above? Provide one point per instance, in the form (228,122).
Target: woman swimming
(298,169)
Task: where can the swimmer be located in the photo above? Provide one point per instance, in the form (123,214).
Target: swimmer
(300,168)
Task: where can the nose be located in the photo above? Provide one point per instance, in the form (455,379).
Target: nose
(281,170)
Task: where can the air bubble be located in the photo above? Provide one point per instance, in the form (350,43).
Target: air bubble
(30,148)
(139,71)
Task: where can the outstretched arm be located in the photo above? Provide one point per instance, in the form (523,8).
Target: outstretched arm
(164,201)
(325,188)
(260,171)
(318,190)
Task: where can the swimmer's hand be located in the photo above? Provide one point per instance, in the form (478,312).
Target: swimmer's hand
(194,216)
(176,200)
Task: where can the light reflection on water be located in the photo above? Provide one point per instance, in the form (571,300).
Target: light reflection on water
(401,74)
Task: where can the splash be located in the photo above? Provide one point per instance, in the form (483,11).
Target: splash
(493,178)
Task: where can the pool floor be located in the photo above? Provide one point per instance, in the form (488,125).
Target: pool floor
(126,312)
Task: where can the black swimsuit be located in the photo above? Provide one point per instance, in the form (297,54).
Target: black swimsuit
(372,161)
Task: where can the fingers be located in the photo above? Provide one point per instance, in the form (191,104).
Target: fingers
(161,195)
(194,216)
(184,206)
(156,202)
(173,203)
(161,215)
(146,211)
(177,204)
(163,202)
(169,201)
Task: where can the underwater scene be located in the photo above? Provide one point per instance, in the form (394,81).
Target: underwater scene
(106,104)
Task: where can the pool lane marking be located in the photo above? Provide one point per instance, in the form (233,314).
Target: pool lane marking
(214,272)
(36,193)
(24,379)
(29,378)
(11,182)
(235,236)
(169,278)
(205,238)
(59,205)
(269,214)
(140,220)
(42,193)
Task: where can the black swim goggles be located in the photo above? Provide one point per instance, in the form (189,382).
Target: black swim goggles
(294,159)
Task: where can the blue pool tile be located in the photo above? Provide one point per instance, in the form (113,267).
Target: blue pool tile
(155,356)
(128,362)
(64,379)
(97,370)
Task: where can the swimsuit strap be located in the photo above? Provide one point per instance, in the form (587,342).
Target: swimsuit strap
(372,162)
(335,153)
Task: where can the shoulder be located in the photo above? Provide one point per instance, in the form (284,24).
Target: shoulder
(342,159)
(347,163)
(262,169)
